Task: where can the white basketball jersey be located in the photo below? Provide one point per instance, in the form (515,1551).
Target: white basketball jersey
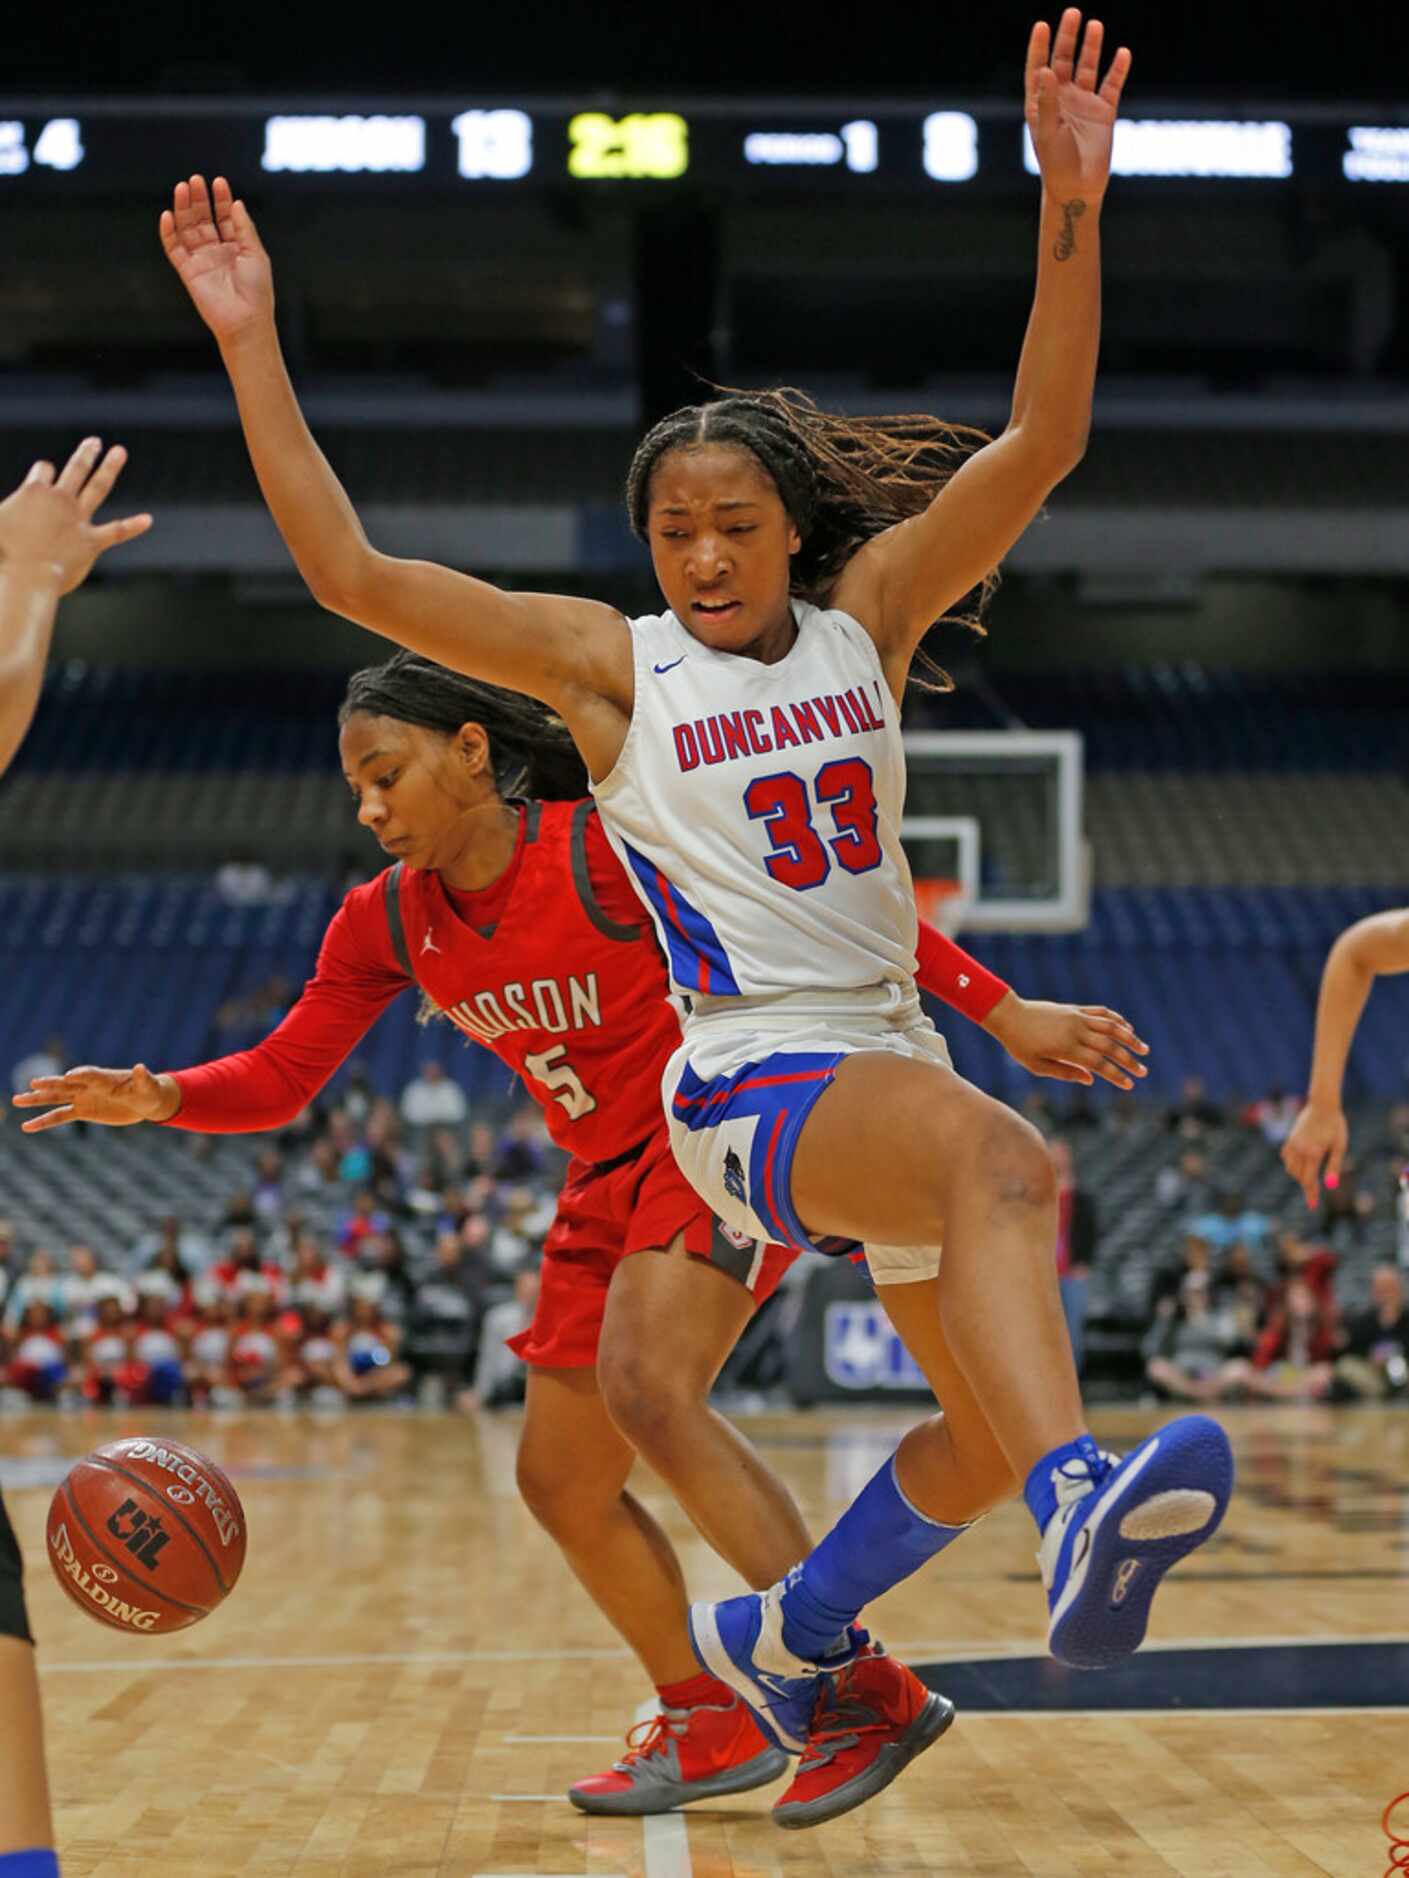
(757,809)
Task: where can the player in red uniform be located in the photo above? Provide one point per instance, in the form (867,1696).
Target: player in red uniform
(517,923)
(48,542)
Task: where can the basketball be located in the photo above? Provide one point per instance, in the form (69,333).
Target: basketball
(146,1535)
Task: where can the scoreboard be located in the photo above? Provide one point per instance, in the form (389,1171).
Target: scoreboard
(70,148)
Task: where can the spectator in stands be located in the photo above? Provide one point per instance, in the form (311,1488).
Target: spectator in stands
(314,1368)
(191,1248)
(1076,1245)
(102,1355)
(242,1270)
(158,1372)
(1240,1298)
(369,1368)
(356,1090)
(510,1246)
(239,1209)
(318,1172)
(256,1352)
(354,1157)
(383,1274)
(247,1018)
(522,1148)
(1299,1258)
(316,1286)
(1294,1355)
(39,1283)
(1194,1255)
(39,1365)
(1187,1350)
(481,1160)
(1375,1361)
(1347,1211)
(166,1277)
(1185,1184)
(267,1197)
(499,1372)
(1274,1116)
(433,1099)
(208,1347)
(448,1157)
(363,1218)
(87,1285)
(1194,1112)
(1232,1222)
(244,880)
(50,1059)
(445,1314)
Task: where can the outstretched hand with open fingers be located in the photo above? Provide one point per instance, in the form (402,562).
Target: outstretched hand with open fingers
(211,241)
(1071,119)
(48,521)
(114,1098)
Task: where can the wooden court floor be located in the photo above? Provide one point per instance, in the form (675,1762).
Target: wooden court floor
(407,1678)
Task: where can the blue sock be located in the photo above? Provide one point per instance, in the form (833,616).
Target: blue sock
(1039,1492)
(879,1539)
(35,1864)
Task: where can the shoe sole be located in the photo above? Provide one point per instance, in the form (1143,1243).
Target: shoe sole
(761,1771)
(1173,1501)
(932,1721)
(713,1654)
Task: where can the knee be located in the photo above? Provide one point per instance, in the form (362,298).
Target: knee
(563,1502)
(1016,1164)
(650,1402)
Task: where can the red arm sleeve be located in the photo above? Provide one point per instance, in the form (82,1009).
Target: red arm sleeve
(949,972)
(356,978)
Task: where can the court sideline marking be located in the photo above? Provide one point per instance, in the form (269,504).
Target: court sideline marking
(667,1838)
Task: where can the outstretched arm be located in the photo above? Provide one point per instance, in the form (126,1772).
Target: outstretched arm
(900,583)
(574,654)
(1321,1136)
(48,542)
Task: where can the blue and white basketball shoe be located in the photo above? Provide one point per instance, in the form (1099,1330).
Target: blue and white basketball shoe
(741,1641)
(1117,1531)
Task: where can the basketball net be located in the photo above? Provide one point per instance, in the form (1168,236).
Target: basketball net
(943,903)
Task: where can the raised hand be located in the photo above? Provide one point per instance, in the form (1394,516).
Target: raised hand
(114,1098)
(1071,121)
(1068,1042)
(221,260)
(48,521)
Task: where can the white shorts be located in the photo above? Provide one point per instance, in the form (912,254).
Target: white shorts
(742,1084)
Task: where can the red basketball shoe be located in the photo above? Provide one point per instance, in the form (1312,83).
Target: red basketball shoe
(680,1755)
(870,1721)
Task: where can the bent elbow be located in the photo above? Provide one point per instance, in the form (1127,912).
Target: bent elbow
(338,586)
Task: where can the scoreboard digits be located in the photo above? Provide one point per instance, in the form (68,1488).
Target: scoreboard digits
(652,144)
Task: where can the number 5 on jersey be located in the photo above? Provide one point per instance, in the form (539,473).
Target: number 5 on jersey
(551,1068)
(800,857)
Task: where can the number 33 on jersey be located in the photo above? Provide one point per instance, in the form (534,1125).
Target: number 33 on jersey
(758,810)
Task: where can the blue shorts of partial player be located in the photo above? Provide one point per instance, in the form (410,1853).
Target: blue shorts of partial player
(741,1086)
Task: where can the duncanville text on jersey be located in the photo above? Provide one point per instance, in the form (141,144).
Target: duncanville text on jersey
(725,735)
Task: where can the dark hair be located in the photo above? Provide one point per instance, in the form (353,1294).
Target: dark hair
(530,750)
(842,480)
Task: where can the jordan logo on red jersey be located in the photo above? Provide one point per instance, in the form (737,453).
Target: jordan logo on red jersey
(428,944)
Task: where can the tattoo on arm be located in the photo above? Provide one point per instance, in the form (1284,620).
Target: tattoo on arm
(1065,245)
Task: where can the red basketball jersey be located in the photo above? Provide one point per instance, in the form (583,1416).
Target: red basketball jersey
(571,999)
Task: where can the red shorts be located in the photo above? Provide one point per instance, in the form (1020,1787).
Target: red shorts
(605,1213)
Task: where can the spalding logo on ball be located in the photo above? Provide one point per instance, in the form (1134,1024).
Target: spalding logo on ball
(146,1535)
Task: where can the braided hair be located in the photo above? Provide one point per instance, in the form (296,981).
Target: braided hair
(842,480)
(530,750)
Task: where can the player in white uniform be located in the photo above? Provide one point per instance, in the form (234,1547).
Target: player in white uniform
(745,754)
(48,542)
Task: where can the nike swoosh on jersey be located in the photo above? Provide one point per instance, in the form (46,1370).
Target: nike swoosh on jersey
(658,669)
